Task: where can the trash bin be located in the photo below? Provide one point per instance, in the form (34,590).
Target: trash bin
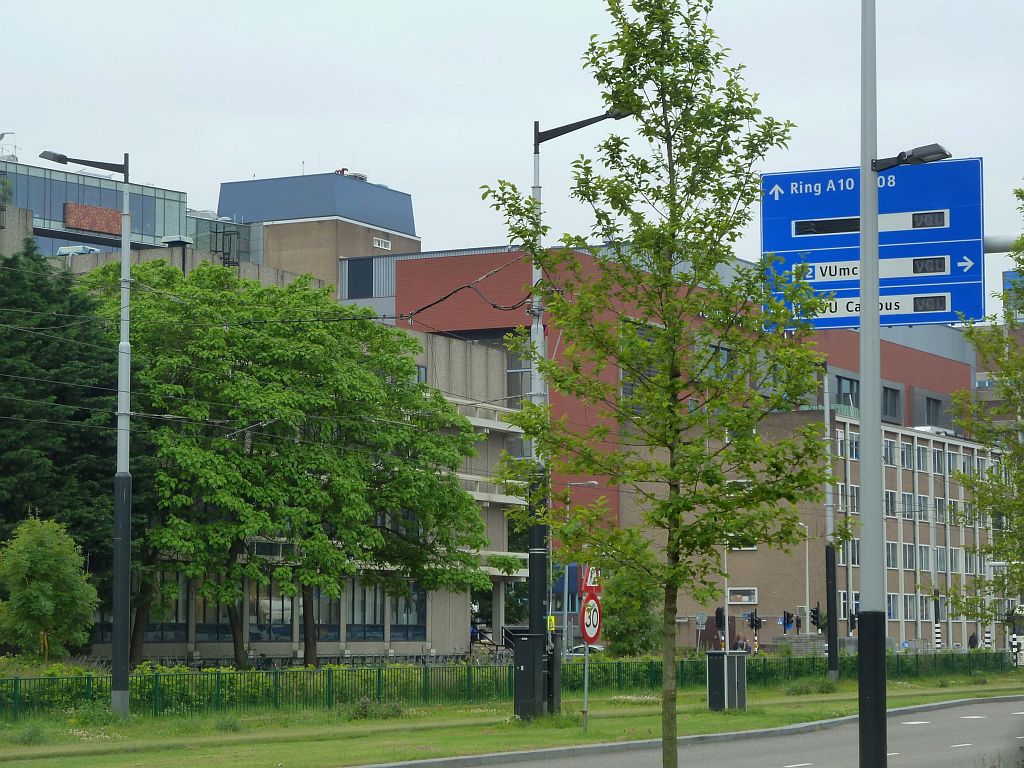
(727,680)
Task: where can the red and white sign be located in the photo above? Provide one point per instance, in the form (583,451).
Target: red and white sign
(590,583)
(590,619)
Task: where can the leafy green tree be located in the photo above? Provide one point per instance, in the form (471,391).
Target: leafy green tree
(48,602)
(283,420)
(678,349)
(630,621)
(995,422)
(57,399)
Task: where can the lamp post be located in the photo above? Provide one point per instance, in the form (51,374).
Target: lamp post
(538,534)
(565,578)
(807,567)
(872,735)
(121,614)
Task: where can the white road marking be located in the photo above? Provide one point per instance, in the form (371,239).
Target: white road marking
(1017,713)
(954,746)
(916,722)
(972,717)
(797,765)
(1019,737)
(891,754)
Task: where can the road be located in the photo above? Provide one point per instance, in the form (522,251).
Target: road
(974,735)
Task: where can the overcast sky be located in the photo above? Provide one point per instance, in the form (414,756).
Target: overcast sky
(436,99)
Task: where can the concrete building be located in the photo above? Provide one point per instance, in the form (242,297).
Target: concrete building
(478,294)
(299,224)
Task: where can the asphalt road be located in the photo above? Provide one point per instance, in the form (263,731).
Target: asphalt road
(972,735)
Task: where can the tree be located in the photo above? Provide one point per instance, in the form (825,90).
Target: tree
(677,348)
(49,602)
(995,422)
(292,443)
(58,384)
(631,624)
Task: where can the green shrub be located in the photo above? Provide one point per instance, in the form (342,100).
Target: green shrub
(942,683)
(800,688)
(826,686)
(92,713)
(979,680)
(28,736)
(366,708)
(228,724)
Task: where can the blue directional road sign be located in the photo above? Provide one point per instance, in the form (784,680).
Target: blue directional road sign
(930,238)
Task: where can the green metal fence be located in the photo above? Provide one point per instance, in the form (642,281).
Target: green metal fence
(160,693)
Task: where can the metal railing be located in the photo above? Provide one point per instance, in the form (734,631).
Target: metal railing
(190,693)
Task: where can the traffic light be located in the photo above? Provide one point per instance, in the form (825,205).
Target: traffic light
(752,620)
(719,617)
(853,620)
(816,615)
(787,621)
(758,621)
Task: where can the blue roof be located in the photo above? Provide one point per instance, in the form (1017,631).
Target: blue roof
(316,195)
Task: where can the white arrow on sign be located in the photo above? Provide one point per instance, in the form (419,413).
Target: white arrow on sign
(776,192)
(966,263)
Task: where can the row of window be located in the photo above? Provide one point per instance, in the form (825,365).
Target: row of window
(916,557)
(270,617)
(914,607)
(909,507)
(934,460)
(848,393)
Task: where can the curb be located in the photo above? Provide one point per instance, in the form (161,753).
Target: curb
(558,753)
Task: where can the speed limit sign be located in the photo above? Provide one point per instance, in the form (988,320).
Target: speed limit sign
(590,619)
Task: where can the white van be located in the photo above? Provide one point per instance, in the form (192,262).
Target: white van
(70,250)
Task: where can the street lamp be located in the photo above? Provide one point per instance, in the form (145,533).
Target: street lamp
(872,735)
(120,615)
(565,577)
(538,534)
(807,569)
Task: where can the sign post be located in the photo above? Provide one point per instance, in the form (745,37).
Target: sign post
(590,626)
(930,234)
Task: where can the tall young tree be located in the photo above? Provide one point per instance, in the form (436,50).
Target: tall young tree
(995,422)
(49,601)
(677,349)
(282,417)
(57,399)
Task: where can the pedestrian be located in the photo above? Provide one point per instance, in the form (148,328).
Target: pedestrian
(972,641)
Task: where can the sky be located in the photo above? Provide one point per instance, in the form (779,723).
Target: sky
(436,99)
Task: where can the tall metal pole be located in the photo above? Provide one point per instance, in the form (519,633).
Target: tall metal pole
(832,629)
(871,646)
(120,631)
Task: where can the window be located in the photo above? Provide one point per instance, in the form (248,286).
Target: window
(421,374)
(907,506)
(954,512)
(841,552)
(925,603)
(932,412)
(891,404)
(954,559)
(366,612)
(892,606)
(171,627)
(844,605)
(847,391)
(409,615)
(360,278)
(855,446)
(742,595)
(906,455)
(892,555)
(910,607)
(382,243)
(940,510)
(909,561)
(967,463)
(212,625)
(855,499)
(270,612)
(938,462)
(856,602)
(840,443)
(922,459)
(922,508)
(923,560)
(843,498)
(889,452)
(940,559)
(855,552)
(950,463)
(970,562)
(890,503)
(517,380)
(326,616)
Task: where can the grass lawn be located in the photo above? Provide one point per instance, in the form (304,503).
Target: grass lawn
(323,739)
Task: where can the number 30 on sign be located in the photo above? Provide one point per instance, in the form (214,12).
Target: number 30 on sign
(590,619)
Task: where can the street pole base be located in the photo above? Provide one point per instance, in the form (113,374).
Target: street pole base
(119,703)
(833,675)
